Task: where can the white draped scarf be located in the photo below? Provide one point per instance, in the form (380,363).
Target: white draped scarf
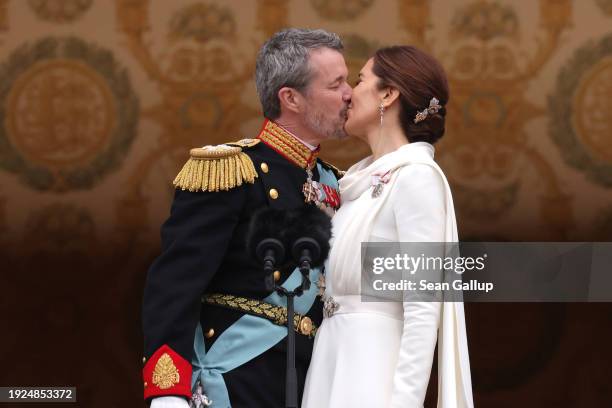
(454,381)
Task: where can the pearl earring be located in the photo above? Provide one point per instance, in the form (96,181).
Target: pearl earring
(381,110)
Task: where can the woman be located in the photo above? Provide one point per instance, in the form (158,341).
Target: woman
(379,354)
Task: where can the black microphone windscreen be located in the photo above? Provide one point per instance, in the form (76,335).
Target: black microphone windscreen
(266,223)
(287,226)
(311,222)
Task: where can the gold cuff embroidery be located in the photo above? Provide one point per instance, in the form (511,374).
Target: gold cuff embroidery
(165,374)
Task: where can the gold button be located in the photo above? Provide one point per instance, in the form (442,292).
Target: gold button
(210,333)
(273,193)
(305,325)
(145,384)
(277,276)
(264,167)
(144,359)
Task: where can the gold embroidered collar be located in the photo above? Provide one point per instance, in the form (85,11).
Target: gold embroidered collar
(287,145)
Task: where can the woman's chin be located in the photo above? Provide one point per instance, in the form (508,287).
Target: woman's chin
(354,131)
(349,127)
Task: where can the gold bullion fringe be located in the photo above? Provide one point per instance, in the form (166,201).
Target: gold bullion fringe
(216,174)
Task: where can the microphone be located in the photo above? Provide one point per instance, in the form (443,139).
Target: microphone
(266,241)
(304,231)
(309,233)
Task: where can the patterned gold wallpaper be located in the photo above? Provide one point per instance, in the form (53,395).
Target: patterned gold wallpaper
(100,101)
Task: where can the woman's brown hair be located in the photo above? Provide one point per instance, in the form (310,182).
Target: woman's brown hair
(418,77)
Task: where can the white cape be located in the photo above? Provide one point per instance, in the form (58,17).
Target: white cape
(454,381)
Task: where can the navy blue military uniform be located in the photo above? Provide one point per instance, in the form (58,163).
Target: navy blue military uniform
(204,251)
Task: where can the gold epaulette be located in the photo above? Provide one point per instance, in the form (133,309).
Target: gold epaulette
(339,173)
(217,168)
(244,142)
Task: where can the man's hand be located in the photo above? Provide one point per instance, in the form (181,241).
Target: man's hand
(169,402)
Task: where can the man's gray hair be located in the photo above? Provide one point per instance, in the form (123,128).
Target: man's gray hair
(284,61)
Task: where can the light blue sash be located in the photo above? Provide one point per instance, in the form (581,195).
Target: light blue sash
(327,177)
(250,335)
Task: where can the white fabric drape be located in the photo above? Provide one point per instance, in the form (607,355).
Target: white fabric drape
(417,203)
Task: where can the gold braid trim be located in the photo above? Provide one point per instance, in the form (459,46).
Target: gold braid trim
(276,314)
(282,141)
(216,168)
(244,142)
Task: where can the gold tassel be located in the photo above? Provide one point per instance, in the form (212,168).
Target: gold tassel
(212,180)
(205,174)
(216,174)
(231,175)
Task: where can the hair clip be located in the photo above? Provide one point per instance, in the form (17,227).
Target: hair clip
(434,107)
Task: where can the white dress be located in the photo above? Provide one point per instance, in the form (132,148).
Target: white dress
(379,354)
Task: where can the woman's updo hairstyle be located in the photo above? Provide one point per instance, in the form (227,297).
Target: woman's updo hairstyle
(418,77)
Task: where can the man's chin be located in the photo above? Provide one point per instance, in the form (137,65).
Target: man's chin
(340,134)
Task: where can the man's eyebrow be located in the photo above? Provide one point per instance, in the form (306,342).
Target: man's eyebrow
(339,78)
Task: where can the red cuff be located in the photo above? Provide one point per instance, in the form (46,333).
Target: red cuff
(166,373)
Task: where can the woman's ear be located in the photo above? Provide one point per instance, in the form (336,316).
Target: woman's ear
(390,95)
(289,99)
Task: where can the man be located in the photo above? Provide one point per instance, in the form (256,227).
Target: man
(206,313)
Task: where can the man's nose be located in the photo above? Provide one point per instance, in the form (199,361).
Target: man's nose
(346,96)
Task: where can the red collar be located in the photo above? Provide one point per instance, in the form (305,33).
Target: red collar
(287,145)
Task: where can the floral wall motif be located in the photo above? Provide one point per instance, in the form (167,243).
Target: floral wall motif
(100,101)
(59,11)
(69,113)
(605,6)
(3,15)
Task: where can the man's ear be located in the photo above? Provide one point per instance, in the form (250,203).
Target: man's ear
(390,95)
(290,99)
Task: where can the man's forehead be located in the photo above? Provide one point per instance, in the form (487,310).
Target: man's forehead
(327,62)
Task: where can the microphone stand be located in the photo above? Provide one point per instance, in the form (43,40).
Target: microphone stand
(271,251)
(291,387)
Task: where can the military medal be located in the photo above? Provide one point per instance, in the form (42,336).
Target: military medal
(323,196)
(312,191)
(199,399)
(321,285)
(378,182)
(330,306)
(377,190)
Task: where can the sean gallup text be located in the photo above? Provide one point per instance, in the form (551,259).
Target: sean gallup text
(423,284)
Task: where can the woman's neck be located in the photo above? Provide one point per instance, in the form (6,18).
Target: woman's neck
(385,140)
